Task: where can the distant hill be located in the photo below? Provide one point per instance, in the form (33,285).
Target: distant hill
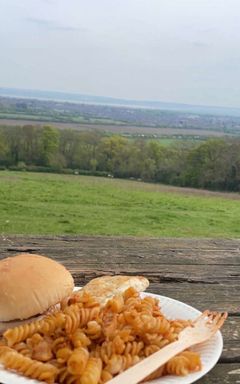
(102,100)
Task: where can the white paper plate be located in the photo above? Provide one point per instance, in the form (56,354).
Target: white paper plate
(210,351)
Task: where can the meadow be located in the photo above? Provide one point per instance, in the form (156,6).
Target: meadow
(34,203)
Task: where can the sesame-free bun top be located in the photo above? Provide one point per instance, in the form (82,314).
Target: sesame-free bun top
(30,284)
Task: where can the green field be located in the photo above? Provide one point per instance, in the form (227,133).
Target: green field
(34,203)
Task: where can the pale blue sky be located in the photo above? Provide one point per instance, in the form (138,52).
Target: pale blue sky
(170,50)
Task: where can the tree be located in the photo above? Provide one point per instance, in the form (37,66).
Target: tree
(4,149)
(49,144)
(206,167)
(68,146)
(31,144)
(111,154)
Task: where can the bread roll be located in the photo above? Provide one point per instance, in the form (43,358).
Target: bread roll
(30,284)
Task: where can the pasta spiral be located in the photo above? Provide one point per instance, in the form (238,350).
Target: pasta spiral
(23,348)
(178,365)
(63,355)
(51,322)
(64,377)
(116,304)
(79,339)
(93,330)
(46,326)
(108,349)
(92,373)
(118,363)
(17,334)
(154,325)
(194,361)
(183,363)
(77,362)
(59,343)
(2,341)
(134,348)
(78,317)
(30,368)
(105,376)
(42,351)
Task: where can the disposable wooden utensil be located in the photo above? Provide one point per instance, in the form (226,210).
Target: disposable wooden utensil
(204,327)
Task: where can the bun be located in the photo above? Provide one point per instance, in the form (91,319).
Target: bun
(30,284)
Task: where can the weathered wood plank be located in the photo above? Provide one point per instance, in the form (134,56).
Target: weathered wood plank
(157,273)
(231,337)
(222,374)
(182,251)
(165,242)
(202,296)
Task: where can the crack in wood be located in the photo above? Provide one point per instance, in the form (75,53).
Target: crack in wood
(152,279)
(237,314)
(22,249)
(229,360)
(166,279)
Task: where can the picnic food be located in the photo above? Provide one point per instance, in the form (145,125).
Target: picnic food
(90,343)
(30,285)
(29,367)
(100,331)
(105,287)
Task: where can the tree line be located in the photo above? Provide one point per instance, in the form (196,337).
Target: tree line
(212,164)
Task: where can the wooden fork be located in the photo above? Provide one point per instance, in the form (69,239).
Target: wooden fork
(203,328)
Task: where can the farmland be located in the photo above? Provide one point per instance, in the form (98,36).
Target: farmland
(124,130)
(34,203)
(117,119)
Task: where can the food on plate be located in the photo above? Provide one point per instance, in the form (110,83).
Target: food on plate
(25,365)
(92,336)
(30,285)
(105,287)
(87,342)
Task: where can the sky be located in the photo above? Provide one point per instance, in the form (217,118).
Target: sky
(184,51)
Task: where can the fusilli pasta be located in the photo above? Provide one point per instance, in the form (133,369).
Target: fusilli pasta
(28,367)
(88,344)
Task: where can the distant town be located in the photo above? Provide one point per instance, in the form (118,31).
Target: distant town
(122,119)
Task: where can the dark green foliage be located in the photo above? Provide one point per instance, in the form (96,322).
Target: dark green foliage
(213,164)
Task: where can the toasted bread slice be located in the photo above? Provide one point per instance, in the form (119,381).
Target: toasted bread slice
(105,287)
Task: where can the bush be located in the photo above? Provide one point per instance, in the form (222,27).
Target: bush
(92,173)
(14,168)
(65,171)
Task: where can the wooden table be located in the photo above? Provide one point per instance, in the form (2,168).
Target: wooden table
(202,273)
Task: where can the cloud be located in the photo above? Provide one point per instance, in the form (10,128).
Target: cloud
(200,44)
(52,25)
(207,29)
(48,1)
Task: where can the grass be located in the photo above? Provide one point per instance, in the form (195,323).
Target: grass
(34,203)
